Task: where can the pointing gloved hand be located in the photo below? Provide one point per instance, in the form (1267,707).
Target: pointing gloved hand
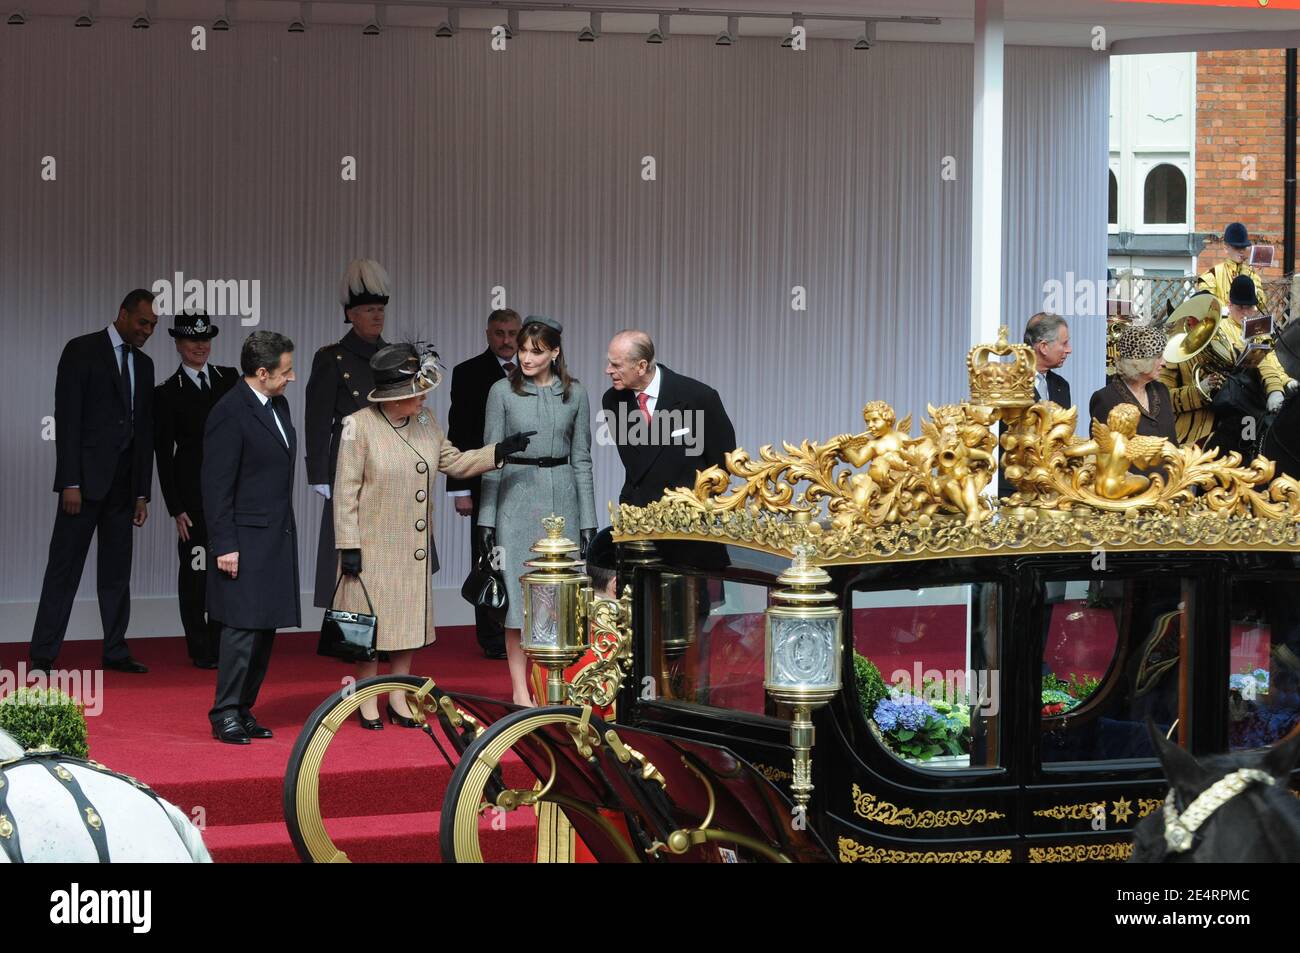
(350,562)
(487,539)
(515,443)
(1274,402)
(584,540)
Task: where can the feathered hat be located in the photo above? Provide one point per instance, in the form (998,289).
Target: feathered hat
(404,370)
(365,282)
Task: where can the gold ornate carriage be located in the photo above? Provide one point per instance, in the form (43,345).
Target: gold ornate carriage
(1124,580)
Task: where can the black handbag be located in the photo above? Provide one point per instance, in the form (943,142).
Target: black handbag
(484,587)
(348,635)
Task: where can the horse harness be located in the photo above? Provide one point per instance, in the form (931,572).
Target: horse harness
(1180,830)
(53,761)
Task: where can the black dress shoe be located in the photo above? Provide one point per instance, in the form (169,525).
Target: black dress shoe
(253,729)
(230,731)
(127,664)
(371,724)
(205,663)
(42,665)
(395,719)
(494,653)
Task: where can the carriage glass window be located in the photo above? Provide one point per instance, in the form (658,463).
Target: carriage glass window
(1263,690)
(707,645)
(1114,654)
(927,673)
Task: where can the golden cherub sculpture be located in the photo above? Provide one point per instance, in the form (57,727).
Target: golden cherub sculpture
(1118,447)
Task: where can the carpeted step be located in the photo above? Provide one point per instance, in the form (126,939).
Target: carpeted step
(343,793)
(405,838)
(155,727)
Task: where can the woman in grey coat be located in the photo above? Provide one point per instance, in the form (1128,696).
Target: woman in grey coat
(555,477)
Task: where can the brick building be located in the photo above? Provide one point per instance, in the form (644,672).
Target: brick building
(1240,148)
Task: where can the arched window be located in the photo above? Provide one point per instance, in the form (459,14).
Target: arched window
(1164,196)
(1113,214)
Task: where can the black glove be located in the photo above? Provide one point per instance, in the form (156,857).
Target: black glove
(515,443)
(487,540)
(350,562)
(584,540)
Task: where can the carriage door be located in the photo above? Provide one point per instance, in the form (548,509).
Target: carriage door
(1110,648)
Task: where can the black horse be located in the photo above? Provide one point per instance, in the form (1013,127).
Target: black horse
(1234,808)
(1282,441)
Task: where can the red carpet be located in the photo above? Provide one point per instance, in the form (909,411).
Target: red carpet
(381,791)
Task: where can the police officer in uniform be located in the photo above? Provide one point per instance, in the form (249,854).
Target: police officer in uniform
(339,382)
(181,404)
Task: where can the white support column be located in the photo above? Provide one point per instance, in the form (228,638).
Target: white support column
(986,189)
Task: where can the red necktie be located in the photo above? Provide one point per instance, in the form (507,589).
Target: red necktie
(508,367)
(642,399)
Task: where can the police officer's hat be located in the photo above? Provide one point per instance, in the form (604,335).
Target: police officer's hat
(193,326)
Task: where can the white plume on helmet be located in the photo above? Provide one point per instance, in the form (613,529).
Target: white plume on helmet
(363,274)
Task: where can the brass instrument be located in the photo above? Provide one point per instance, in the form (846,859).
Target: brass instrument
(1195,327)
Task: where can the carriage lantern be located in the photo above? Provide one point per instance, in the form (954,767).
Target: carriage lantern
(555,607)
(804,646)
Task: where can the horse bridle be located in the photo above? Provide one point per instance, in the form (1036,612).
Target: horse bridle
(1180,831)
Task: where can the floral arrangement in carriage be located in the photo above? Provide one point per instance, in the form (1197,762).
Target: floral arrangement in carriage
(919,726)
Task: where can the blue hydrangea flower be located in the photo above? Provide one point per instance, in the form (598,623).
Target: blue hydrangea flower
(892,714)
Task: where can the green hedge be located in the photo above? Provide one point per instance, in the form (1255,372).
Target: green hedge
(45,716)
(871,684)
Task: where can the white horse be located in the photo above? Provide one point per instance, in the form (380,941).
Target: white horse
(58,809)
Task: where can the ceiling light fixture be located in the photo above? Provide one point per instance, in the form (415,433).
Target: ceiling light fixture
(589,32)
(868,37)
(788,42)
(450,26)
(728,36)
(660,33)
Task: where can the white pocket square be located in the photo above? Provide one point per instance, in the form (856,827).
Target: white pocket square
(681,433)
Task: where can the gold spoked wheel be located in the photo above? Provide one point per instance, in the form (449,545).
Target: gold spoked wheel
(466,796)
(302,813)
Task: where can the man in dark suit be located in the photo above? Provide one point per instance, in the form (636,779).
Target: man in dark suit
(1049,336)
(470,382)
(103,397)
(180,412)
(247,484)
(666,426)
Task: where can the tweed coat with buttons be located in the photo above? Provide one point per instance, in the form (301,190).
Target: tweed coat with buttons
(383,505)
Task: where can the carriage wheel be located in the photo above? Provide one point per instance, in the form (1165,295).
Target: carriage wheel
(302,813)
(472,790)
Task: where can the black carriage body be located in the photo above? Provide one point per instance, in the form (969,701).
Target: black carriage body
(1047,787)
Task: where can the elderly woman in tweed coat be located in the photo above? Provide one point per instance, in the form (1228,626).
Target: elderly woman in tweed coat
(389,456)
(539,397)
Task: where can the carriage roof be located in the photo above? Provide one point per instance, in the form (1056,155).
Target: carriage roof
(884,495)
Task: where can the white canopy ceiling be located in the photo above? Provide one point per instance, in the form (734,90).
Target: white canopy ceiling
(1129,26)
